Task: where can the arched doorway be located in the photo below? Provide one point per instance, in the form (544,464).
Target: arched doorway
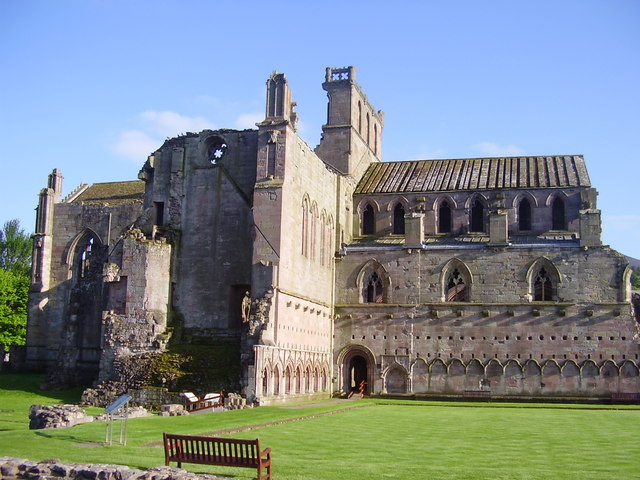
(357,373)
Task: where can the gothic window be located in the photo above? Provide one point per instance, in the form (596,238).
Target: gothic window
(398,220)
(375,138)
(477,217)
(313,230)
(265,382)
(542,287)
(305,228)
(456,287)
(374,289)
(368,128)
(524,215)
(360,118)
(323,239)
(85,258)
(557,213)
(368,221)
(444,218)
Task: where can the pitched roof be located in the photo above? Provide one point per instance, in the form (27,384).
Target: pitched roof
(475,174)
(112,193)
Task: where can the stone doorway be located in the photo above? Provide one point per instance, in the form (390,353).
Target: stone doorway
(356,371)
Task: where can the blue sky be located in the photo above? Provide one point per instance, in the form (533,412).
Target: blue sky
(92,87)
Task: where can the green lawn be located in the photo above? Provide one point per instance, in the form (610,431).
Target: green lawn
(380,441)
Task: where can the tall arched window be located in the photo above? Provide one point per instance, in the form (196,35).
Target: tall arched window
(305,228)
(444,218)
(558,221)
(477,217)
(375,138)
(398,220)
(368,128)
(375,290)
(524,215)
(456,287)
(542,287)
(368,221)
(85,258)
(360,118)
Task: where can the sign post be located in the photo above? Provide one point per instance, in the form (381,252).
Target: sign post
(118,410)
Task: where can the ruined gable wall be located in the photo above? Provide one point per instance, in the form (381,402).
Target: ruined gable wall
(48,310)
(209,219)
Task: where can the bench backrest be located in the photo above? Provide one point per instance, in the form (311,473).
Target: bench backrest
(212,450)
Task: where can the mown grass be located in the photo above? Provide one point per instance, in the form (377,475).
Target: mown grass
(381,441)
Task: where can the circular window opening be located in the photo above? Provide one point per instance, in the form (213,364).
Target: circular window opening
(217,151)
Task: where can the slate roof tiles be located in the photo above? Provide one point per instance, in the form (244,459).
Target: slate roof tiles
(475,174)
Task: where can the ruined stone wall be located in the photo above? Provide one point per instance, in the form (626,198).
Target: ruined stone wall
(499,275)
(49,308)
(205,184)
(588,323)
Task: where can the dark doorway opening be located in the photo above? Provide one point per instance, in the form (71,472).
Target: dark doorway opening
(357,373)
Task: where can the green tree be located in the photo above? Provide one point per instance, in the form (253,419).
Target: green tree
(15,248)
(14,291)
(635,279)
(15,271)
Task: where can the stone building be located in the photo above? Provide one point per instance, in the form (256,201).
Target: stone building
(417,277)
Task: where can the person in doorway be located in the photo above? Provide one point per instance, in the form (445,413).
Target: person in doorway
(361,388)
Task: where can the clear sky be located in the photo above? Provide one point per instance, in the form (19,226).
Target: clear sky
(93,86)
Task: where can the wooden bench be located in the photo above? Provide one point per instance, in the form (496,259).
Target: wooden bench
(208,401)
(477,394)
(228,452)
(625,397)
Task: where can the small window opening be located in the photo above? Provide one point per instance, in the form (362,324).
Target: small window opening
(456,288)
(398,220)
(477,217)
(368,221)
(444,218)
(542,287)
(524,215)
(374,289)
(558,215)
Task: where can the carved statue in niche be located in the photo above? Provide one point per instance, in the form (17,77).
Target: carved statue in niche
(260,316)
(111,272)
(246,307)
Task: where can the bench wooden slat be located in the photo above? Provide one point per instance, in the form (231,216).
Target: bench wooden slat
(229,452)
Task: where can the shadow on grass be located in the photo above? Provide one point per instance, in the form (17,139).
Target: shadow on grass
(33,383)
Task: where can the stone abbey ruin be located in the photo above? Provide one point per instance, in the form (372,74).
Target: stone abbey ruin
(429,277)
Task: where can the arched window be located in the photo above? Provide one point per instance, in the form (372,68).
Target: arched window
(524,215)
(368,128)
(544,280)
(305,228)
(368,221)
(374,289)
(85,258)
(398,220)
(359,118)
(265,382)
(557,215)
(375,138)
(477,217)
(456,287)
(444,218)
(542,286)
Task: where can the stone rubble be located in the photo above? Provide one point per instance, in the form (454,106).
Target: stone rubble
(17,468)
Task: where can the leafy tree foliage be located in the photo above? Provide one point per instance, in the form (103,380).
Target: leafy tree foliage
(635,279)
(15,248)
(14,290)
(15,269)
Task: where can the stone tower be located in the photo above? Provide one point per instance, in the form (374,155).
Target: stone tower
(353,131)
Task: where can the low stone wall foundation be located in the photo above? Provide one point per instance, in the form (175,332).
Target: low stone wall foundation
(16,468)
